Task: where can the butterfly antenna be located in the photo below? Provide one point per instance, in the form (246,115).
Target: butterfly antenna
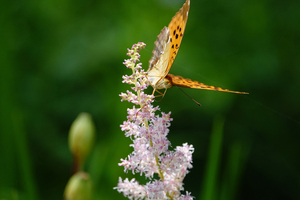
(189,96)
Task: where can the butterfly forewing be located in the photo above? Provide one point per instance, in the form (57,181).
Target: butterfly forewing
(177,27)
(184,82)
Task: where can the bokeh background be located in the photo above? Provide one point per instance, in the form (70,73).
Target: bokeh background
(60,58)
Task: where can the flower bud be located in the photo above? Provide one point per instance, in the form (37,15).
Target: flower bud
(79,187)
(81,138)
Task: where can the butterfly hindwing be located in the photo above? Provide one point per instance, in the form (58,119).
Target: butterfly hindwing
(160,58)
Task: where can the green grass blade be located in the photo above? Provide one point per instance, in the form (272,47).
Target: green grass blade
(210,178)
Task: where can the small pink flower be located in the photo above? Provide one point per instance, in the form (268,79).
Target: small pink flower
(148,132)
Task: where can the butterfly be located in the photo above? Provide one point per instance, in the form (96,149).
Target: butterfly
(164,53)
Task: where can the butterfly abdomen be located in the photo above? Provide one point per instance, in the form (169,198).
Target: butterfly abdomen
(182,82)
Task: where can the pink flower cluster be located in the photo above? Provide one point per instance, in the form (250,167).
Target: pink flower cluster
(151,154)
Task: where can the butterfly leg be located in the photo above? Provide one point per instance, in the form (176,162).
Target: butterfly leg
(161,95)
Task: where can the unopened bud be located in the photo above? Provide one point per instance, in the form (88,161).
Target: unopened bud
(79,187)
(81,138)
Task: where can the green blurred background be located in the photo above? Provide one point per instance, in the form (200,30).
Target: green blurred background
(60,58)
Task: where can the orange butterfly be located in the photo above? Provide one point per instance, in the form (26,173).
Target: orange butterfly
(164,53)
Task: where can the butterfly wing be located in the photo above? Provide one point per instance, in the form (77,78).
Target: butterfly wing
(166,48)
(184,82)
(160,57)
(177,27)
